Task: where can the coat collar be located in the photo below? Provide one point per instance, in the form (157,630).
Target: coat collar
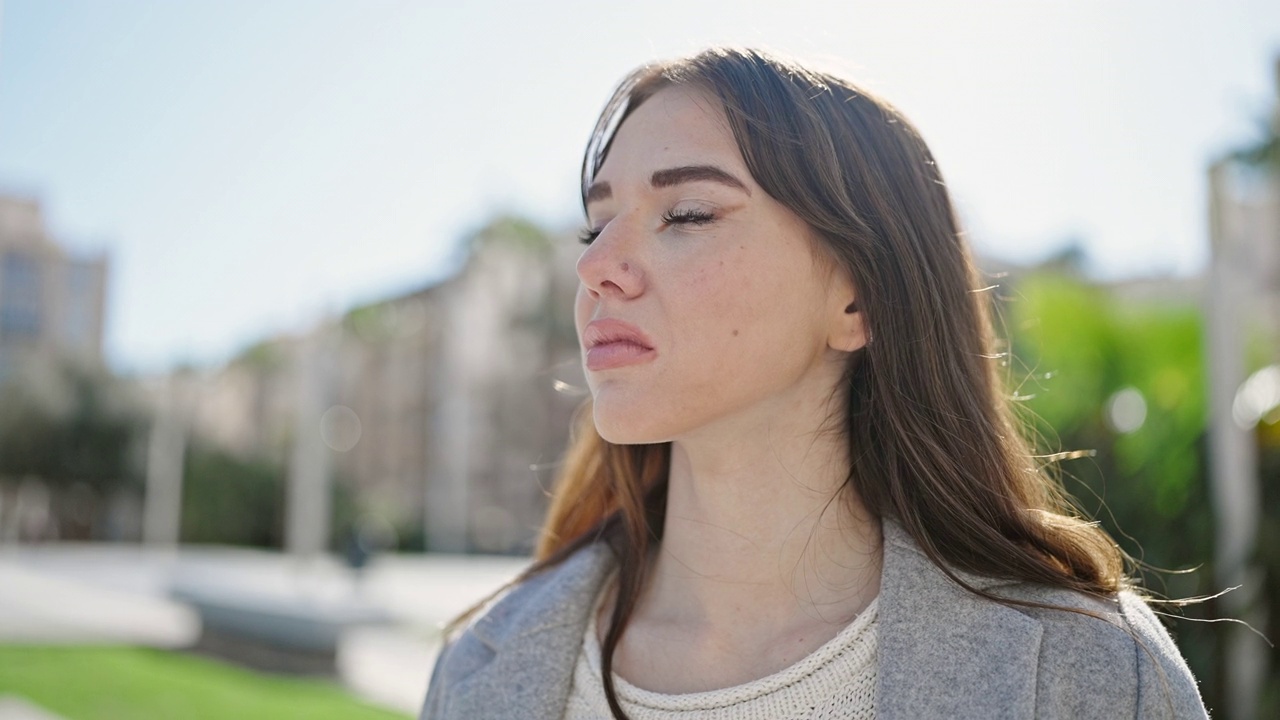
(943,651)
(535,633)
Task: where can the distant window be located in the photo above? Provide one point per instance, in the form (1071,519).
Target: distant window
(80,278)
(20,296)
(81,306)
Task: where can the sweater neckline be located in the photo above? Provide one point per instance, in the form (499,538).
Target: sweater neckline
(744,692)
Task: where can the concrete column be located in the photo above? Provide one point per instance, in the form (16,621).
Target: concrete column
(1237,495)
(447,505)
(308,501)
(162,508)
(166,452)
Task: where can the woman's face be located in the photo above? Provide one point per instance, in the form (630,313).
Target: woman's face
(702,302)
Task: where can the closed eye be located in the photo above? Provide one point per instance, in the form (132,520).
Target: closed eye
(671,217)
(687,217)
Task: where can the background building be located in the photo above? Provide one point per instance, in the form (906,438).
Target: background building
(50,301)
(441,412)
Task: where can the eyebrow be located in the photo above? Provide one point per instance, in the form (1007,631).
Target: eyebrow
(674,176)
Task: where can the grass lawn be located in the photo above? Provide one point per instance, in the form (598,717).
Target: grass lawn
(127,683)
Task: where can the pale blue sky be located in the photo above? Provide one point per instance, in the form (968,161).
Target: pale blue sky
(250,165)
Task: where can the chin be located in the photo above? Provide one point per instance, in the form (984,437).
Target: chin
(622,426)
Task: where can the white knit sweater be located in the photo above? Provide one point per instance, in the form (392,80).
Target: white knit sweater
(838,680)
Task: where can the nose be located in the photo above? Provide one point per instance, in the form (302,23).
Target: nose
(609,267)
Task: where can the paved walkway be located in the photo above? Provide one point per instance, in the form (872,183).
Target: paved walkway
(108,593)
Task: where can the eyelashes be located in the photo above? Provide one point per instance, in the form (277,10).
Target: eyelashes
(671,217)
(687,217)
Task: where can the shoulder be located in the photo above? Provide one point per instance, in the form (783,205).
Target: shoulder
(1073,656)
(527,637)
(1115,649)
(560,595)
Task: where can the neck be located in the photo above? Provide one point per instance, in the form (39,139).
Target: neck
(761,525)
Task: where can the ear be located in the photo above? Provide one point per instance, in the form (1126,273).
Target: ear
(847,330)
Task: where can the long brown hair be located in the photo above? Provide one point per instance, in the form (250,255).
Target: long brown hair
(933,440)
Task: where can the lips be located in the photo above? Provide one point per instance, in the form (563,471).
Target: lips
(613,344)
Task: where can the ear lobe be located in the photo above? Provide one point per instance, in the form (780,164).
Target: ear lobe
(849,332)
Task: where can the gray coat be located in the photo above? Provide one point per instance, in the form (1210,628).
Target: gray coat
(943,652)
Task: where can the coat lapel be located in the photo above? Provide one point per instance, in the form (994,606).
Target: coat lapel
(535,634)
(945,652)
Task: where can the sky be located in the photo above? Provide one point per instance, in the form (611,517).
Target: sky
(252,166)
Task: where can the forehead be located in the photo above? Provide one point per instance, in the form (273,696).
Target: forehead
(678,125)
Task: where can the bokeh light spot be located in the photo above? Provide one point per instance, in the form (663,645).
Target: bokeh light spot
(340,428)
(1126,410)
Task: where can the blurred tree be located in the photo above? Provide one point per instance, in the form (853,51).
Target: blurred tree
(1071,259)
(1264,152)
(231,500)
(1125,383)
(511,230)
(75,427)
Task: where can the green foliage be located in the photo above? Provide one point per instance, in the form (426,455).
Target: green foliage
(1264,151)
(265,356)
(513,231)
(69,422)
(1081,348)
(1076,347)
(369,322)
(115,683)
(231,500)
(228,499)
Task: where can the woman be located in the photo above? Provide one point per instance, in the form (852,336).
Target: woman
(797,490)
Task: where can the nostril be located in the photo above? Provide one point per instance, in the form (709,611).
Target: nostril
(604,273)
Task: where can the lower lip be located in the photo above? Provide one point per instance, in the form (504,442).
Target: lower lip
(617,354)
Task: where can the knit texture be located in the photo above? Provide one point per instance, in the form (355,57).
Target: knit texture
(838,680)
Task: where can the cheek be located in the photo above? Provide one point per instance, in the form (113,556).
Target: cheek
(717,315)
(732,295)
(751,305)
(582,308)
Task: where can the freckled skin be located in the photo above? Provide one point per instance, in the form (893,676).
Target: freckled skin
(683,284)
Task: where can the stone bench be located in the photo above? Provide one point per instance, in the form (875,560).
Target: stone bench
(278,632)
